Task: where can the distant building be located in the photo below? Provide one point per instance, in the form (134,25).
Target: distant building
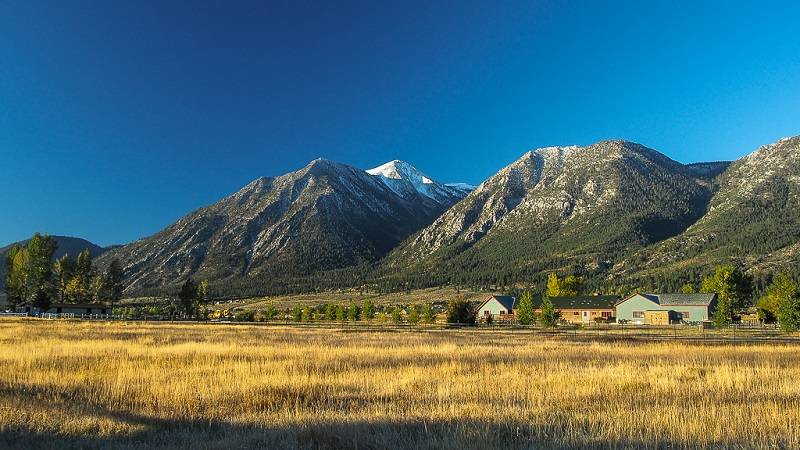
(76,309)
(498,307)
(657,309)
(585,308)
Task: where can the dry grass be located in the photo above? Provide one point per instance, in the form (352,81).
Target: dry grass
(117,385)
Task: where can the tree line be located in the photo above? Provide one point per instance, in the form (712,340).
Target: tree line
(34,278)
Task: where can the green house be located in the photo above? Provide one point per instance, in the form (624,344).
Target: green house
(640,308)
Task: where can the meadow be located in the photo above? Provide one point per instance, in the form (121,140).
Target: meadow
(165,385)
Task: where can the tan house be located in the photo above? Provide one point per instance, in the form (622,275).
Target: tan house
(498,307)
(585,308)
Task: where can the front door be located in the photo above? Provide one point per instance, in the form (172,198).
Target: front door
(585,316)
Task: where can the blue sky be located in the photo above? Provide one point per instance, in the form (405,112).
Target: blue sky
(117,118)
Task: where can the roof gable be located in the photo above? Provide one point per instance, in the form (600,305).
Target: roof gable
(685,299)
(676,299)
(506,301)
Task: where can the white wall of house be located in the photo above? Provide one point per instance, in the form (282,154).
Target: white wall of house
(492,307)
(634,307)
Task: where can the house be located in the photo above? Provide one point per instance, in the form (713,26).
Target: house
(498,307)
(585,308)
(76,309)
(658,309)
(4,300)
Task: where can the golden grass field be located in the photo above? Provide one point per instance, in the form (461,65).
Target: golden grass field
(150,385)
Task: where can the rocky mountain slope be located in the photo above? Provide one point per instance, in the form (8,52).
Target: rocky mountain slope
(753,219)
(276,230)
(561,206)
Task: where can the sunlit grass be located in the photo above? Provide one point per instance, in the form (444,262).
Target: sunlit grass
(219,386)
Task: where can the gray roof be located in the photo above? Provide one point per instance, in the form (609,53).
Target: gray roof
(506,300)
(681,299)
(585,302)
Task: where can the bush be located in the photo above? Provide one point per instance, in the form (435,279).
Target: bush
(245,316)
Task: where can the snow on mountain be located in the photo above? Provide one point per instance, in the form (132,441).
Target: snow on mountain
(406,180)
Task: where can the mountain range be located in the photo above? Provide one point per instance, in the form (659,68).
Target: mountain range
(615,212)
(323,217)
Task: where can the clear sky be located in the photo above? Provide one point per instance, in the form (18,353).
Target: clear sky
(118,117)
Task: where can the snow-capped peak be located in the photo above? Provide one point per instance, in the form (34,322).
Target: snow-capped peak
(405,180)
(401,170)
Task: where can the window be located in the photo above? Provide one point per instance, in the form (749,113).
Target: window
(486,312)
(502,313)
(575,313)
(685,315)
(606,314)
(638,314)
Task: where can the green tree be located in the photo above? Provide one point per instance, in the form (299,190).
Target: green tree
(112,279)
(341,313)
(297,313)
(270,313)
(354,312)
(768,304)
(526,314)
(428,314)
(733,289)
(97,290)
(63,270)
(368,310)
(330,312)
(202,291)
(16,272)
(460,311)
(785,293)
(307,314)
(569,286)
(81,291)
(396,316)
(549,315)
(688,288)
(42,300)
(413,315)
(39,268)
(187,298)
